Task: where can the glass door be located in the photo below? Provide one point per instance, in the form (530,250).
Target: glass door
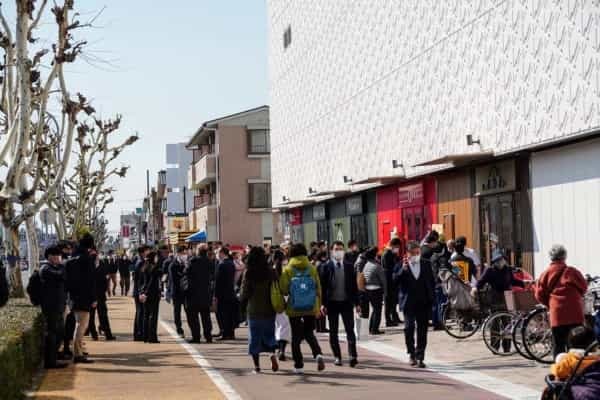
(323,231)
(359,230)
(499,227)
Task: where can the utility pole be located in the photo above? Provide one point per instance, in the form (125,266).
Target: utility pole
(184,200)
(150,214)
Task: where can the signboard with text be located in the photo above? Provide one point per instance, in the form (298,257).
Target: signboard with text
(319,212)
(411,195)
(354,205)
(495,178)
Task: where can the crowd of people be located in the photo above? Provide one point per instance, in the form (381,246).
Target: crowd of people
(284,294)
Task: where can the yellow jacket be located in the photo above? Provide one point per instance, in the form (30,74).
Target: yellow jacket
(565,363)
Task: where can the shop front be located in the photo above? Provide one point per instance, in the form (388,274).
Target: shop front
(406,211)
(456,206)
(504,211)
(293,229)
(361,211)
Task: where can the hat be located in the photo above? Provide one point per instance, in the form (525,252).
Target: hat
(497,256)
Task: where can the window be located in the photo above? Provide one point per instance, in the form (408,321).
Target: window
(258,142)
(287,37)
(260,195)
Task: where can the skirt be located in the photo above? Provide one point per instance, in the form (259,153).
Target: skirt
(261,336)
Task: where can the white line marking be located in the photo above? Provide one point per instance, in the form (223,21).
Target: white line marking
(498,386)
(228,391)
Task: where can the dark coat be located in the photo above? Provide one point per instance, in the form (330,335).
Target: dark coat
(101,273)
(198,277)
(138,277)
(327,276)
(151,282)
(124,268)
(81,280)
(416,293)
(54,294)
(225,281)
(175,271)
(389,260)
(112,266)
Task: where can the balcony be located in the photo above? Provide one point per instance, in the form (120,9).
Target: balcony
(202,172)
(204,200)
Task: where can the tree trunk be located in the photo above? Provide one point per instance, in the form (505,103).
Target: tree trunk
(33,245)
(12,258)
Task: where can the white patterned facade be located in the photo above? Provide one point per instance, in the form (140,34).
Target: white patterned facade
(365,82)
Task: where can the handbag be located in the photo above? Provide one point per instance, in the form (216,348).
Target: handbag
(277,300)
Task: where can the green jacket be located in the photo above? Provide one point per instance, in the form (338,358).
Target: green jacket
(299,263)
(257,298)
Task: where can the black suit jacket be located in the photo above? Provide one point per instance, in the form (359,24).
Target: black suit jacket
(327,276)
(417,294)
(81,281)
(225,281)
(198,276)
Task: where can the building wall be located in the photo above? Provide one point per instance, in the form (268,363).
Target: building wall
(365,82)
(456,203)
(178,161)
(566,204)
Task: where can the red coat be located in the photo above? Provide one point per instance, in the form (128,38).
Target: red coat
(565,299)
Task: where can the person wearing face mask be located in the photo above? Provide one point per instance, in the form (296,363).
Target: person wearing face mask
(174,290)
(340,297)
(500,278)
(390,258)
(415,279)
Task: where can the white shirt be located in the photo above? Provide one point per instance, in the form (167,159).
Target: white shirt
(415,269)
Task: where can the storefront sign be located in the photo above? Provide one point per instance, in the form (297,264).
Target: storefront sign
(177,224)
(295,216)
(354,205)
(411,195)
(319,212)
(495,178)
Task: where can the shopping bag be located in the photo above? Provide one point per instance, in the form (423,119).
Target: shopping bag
(361,327)
(277,300)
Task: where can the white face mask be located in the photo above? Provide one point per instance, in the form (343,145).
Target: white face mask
(183,257)
(395,250)
(414,259)
(338,255)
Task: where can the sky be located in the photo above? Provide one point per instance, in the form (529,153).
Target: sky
(167,68)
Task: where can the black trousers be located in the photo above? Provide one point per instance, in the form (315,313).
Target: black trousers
(226,313)
(55,330)
(376,300)
(391,304)
(151,320)
(345,309)
(69,331)
(177,305)
(125,283)
(303,328)
(194,322)
(420,318)
(103,322)
(559,338)
(138,323)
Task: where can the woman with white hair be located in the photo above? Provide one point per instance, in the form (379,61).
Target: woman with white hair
(561,288)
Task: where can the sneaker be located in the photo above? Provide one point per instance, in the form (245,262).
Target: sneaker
(256,371)
(413,361)
(82,360)
(338,362)
(353,363)
(421,364)
(274,363)
(320,363)
(299,371)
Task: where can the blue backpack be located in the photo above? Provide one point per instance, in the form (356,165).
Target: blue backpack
(303,290)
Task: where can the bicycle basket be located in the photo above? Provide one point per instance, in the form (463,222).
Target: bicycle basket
(520,301)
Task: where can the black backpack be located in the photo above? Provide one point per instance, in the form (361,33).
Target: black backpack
(3,286)
(34,288)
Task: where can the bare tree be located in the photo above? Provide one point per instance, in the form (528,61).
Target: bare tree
(28,138)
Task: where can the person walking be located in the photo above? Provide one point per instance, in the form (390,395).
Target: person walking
(300,280)
(391,257)
(175,293)
(124,275)
(53,303)
(376,287)
(138,281)
(322,258)
(225,294)
(283,331)
(196,287)
(415,279)
(150,296)
(113,268)
(561,288)
(255,296)
(340,297)
(81,288)
(433,254)
(103,280)
(66,249)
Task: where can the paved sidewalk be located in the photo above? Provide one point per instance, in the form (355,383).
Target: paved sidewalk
(129,370)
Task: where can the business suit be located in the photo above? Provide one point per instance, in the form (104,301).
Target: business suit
(338,306)
(418,292)
(138,281)
(198,279)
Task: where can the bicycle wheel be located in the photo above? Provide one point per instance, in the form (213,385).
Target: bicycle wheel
(517,337)
(497,333)
(460,324)
(537,336)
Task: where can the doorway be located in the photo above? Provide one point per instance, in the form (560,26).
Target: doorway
(323,231)
(415,223)
(359,230)
(500,227)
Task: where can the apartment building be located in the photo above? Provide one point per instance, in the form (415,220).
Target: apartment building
(230,176)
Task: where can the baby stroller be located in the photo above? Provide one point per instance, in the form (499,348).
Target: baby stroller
(584,385)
